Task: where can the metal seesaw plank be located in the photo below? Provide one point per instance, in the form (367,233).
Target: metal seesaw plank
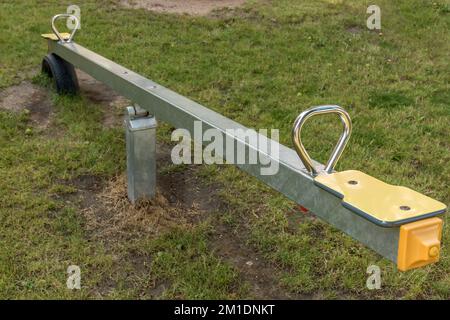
(292,179)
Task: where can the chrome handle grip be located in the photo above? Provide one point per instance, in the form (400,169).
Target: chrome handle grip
(56,32)
(338,149)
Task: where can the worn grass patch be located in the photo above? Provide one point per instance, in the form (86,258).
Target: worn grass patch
(111,215)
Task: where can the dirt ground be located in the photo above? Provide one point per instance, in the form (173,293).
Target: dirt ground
(191,7)
(29,97)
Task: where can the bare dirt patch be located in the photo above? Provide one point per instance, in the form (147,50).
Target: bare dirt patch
(113,104)
(30,98)
(191,7)
(256,271)
(354,29)
(113,217)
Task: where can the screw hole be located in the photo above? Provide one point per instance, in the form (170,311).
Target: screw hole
(353,182)
(405,208)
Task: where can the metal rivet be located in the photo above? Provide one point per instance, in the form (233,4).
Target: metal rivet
(353,182)
(433,252)
(405,208)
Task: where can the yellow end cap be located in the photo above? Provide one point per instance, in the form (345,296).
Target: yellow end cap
(419,243)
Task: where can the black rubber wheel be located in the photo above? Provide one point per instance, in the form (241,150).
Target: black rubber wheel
(62,72)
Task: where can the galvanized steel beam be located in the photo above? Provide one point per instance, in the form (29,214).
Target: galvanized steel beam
(293,179)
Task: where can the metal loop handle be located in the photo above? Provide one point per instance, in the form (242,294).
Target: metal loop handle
(338,149)
(56,32)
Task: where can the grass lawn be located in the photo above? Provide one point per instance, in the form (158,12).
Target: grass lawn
(260,64)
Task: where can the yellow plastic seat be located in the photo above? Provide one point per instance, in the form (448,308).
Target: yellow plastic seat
(377,201)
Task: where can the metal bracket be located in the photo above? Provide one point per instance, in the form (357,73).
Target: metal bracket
(136,111)
(58,34)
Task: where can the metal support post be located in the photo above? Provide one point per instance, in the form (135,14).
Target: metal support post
(140,128)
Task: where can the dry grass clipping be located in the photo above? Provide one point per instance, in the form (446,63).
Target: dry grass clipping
(113,216)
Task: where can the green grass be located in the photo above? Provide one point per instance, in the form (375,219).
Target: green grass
(260,65)
(180,259)
(41,237)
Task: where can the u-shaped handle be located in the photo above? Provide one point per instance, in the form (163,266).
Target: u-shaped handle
(338,149)
(56,32)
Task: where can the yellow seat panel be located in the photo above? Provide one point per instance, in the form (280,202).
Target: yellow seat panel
(52,36)
(377,201)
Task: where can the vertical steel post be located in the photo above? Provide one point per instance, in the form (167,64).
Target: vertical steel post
(140,130)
